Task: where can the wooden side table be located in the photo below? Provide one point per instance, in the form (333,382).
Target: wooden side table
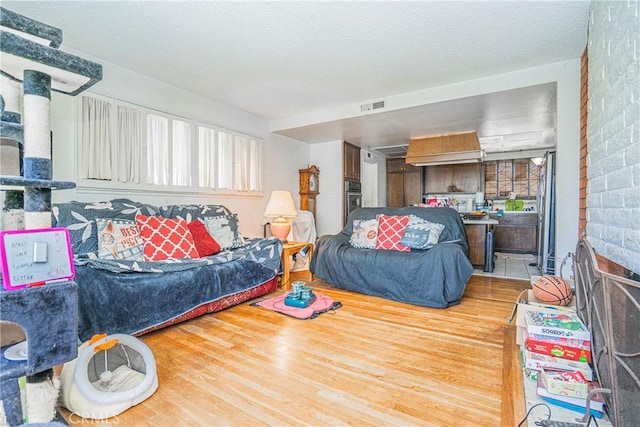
(289,249)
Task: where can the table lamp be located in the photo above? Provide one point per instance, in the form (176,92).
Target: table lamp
(280,207)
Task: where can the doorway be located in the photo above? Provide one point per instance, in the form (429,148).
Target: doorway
(369,184)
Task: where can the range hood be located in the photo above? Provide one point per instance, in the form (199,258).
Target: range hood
(446,149)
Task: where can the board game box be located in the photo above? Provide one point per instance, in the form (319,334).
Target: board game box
(571,349)
(558,325)
(570,384)
(540,361)
(528,302)
(597,403)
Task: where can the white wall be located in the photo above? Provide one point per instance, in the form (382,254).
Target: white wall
(369,178)
(567,76)
(613,168)
(283,156)
(328,157)
(374,193)
(568,160)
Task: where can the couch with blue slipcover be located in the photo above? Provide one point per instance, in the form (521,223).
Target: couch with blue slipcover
(131,295)
(434,276)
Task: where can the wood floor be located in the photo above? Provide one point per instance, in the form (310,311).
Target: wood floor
(372,362)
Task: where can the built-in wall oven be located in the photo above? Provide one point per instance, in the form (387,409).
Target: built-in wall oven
(352,197)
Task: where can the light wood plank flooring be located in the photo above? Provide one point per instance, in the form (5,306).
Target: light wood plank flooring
(373,362)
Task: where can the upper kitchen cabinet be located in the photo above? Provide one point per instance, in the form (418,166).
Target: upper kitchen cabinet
(404,183)
(351,158)
(456,178)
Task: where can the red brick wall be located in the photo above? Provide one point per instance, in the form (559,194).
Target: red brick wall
(584,99)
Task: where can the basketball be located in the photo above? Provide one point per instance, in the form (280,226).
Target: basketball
(552,290)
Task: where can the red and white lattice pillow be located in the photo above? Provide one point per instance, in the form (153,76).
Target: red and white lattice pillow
(165,238)
(390,231)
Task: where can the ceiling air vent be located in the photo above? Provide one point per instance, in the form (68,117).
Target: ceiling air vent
(372,106)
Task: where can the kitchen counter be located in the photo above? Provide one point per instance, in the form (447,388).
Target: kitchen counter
(515,212)
(504,212)
(477,231)
(486,221)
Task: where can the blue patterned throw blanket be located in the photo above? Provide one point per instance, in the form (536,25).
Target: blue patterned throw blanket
(80,219)
(261,251)
(132,296)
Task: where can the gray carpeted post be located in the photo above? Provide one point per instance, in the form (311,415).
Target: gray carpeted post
(37,148)
(33,60)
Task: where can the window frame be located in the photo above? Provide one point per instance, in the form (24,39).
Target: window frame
(114,182)
(532,185)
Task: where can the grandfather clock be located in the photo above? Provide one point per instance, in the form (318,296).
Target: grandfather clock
(309,188)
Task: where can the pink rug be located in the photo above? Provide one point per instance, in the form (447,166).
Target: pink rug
(321,305)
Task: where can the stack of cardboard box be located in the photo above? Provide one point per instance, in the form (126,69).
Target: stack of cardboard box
(556,348)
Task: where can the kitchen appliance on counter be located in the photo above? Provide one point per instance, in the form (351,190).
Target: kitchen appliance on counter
(479,201)
(514,205)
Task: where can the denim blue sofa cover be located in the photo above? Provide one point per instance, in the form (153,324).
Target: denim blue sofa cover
(435,277)
(135,297)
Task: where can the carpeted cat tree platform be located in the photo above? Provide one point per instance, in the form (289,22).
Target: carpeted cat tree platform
(30,60)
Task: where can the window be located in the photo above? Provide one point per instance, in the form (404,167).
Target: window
(130,144)
(502,177)
(181,153)
(157,150)
(96,139)
(127,146)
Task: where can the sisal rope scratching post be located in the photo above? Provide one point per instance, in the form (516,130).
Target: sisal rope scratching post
(11,141)
(37,147)
(9,144)
(41,393)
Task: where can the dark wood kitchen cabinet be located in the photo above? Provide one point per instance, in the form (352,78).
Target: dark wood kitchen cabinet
(464,178)
(476,237)
(516,233)
(404,183)
(351,166)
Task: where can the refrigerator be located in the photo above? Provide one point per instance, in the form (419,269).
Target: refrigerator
(545,204)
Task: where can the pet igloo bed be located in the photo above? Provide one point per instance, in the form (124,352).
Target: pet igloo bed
(111,374)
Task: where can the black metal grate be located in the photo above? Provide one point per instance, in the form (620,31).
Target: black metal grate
(609,306)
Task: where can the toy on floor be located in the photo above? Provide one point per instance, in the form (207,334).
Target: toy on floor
(301,296)
(111,374)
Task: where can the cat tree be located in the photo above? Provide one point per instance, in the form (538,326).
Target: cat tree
(29,56)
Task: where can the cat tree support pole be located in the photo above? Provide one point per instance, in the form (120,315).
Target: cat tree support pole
(37,148)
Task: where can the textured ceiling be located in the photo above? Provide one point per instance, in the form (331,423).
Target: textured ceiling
(280,59)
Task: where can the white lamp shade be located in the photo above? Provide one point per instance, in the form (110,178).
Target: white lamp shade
(280,205)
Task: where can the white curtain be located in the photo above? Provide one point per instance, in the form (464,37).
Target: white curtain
(225,160)
(181,153)
(96,139)
(241,181)
(206,157)
(157,150)
(255,166)
(130,146)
